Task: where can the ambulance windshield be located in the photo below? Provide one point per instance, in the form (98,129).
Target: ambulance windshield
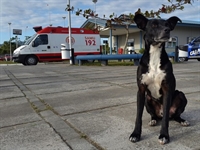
(30,39)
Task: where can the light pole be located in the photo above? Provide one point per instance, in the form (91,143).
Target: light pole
(95,1)
(16,40)
(64,20)
(10,39)
(69,29)
(49,15)
(25,32)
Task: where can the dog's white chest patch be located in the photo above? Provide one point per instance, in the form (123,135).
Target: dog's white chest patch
(154,77)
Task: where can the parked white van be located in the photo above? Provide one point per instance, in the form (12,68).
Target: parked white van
(44,46)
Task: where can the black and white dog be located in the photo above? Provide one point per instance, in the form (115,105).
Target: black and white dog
(155,79)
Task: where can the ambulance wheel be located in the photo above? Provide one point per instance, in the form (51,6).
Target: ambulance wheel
(24,64)
(198,59)
(31,60)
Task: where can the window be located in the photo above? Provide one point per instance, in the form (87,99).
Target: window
(29,40)
(172,42)
(197,41)
(130,42)
(189,39)
(41,40)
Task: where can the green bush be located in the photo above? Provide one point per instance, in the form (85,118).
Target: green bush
(142,50)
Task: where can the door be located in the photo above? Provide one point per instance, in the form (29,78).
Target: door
(41,47)
(195,48)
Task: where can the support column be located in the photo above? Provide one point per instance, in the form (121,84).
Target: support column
(117,44)
(110,41)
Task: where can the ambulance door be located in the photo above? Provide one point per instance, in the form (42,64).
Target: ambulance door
(41,47)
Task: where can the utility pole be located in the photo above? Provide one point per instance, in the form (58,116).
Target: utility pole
(49,15)
(10,39)
(64,20)
(16,40)
(26,31)
(95,1)
(69,29)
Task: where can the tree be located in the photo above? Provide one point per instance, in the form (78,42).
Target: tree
(127,20)
(5,47)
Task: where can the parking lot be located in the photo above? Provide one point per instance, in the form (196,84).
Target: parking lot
(64,107)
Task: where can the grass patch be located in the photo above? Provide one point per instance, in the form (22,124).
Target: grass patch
(7,62)
(120,63)
(110,63)
(96,63)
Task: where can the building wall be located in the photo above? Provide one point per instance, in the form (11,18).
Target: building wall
(184,32)
(180,33)
(135,36)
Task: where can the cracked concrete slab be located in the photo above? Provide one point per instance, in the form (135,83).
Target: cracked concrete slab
(16,111)
(31,136)
(58,106)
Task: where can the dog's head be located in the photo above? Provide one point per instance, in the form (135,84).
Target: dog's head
(157,30)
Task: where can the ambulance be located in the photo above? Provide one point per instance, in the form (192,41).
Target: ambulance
(45,45)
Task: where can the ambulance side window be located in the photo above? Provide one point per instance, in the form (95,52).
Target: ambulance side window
(41,40)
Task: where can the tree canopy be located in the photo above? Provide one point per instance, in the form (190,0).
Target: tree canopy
(166,9)
(5,47)
(127,19)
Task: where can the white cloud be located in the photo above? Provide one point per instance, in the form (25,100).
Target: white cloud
(32,13)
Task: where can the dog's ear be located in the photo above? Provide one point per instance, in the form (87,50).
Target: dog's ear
(141,21)
(173,21)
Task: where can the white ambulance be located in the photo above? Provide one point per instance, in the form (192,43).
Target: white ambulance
(44,46)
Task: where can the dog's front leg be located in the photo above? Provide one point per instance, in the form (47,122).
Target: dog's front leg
(135,136)
(164,133)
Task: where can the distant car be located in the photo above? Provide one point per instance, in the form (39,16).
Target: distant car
(190,50)
(8,57)
(2,58)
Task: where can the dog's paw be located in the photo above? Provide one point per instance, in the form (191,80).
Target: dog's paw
(185,123)
(163,139)
(134,137)
(152,123)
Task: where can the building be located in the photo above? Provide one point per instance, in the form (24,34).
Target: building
(182,34)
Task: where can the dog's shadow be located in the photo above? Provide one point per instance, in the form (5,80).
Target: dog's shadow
(176,130)
(179,132)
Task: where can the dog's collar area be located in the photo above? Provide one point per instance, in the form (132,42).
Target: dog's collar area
(161,40)
(153,42)
(160,44)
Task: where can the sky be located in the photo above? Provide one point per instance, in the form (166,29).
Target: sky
(25,14)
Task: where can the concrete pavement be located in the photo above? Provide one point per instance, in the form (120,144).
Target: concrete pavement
(63,107)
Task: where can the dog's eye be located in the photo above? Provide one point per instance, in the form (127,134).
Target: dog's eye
(166,24)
